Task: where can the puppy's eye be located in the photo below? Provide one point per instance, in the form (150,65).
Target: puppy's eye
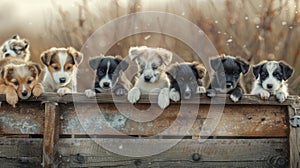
(55,68)
(69,68)
(4,49)
(154,67)
(29,82)
(16,83)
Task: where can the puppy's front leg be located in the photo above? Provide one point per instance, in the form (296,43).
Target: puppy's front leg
(174,95)
(163,98)
(119,90)
(64,90)
(37,90)
(90,93)
(134,95)
(11,94)
(211,93)
(236,94)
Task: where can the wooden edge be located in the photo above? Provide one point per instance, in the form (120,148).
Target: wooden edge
(51,134)
(199,99)
(294,140)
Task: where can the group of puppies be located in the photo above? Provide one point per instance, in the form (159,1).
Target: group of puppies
(19,77)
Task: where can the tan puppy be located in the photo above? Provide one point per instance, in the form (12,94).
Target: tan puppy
(61,69)
(19,79)
(152,77)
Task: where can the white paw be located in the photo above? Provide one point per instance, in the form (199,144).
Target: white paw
(234,98)
(201,89)
(211,93)
(280,96)
(120,91)
(174,95)
(134,95)
(163,98)
(264,94)
(63,91)
(90,93)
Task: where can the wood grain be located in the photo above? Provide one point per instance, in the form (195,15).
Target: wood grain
(294,140)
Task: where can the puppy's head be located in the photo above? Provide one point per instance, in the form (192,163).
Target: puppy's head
(271,74)
(188,76)
(108,70)
(151,61)
(228,70)
(62,63)
(15,47)
(21,77)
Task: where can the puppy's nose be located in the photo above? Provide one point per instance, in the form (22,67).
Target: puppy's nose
(24,93)
(228,85)
(62,80)
(147,78)
(187,94)
(269,86)
(106,84)
(6,54)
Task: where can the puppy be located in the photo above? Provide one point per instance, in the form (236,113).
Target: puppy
(152,77)
(227,71)
(271,78)
(61,69)
(110,77)
(19,79)
(186,80)
(15,47)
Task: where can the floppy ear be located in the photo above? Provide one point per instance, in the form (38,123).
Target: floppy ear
(77,56)
(26,43)
(47,55)
(16,37)
(35,69)
(286,69)
(172,71)
(135,52)
(165,55)
(256,69)
(215,63)
(122,63)
(95,61)
(243,65)
(199,68)
(8,72)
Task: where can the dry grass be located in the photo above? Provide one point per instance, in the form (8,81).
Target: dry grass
(255,30)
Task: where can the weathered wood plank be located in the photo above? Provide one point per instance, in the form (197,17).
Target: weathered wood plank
(20,152)
(213,153)
(108,98)
(51,134)
(236,120)
(294,139)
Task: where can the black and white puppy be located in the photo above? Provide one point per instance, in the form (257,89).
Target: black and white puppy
(186,80)
(227,71)
(271,79)
(15,47)
(110,77)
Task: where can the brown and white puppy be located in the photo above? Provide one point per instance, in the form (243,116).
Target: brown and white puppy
(187,79)
(61,69)
(19,79)
(15,47)
(152,64)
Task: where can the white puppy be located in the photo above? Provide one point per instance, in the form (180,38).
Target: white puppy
(271,77)
(152,77)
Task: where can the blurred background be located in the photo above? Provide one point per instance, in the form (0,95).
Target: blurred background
(255,30)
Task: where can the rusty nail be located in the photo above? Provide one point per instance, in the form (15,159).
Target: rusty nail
(196,157)
(80,158)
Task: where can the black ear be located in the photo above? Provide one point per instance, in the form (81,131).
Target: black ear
(256,69)
(286,70)
(215,63)
(26,44)
(243,65)
(94,62)
(17,37)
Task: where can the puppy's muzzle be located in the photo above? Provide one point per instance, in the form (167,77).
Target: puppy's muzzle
(24,93)
(106,85)
(270,86)
(228,85)
(187,94)
(6,54)
(62,80)
(147,78)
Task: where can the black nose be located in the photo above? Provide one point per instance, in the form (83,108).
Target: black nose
(147,78)
(106,84)
(62,80)
(269,86)
(187,94)
(24,93)
(7,55)
(228,85)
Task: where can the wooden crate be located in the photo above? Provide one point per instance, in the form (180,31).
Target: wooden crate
(54,131)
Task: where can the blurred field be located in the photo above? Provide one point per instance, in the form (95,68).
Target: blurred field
(255,30)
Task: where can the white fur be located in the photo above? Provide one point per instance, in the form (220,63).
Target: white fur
(106,78)
(7,44)
(134,95)
(201,89)
(90,93)
(163,98)
(234,98)
(174,95)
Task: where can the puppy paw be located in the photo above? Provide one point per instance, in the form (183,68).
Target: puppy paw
(264,95)
(201,89)
(281,97)
(211,93)
(90,93)
(120,91)
(63,91)
(12,99)
(134,95)
(163,98)
(174,95)
(234,98)
(37,90)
